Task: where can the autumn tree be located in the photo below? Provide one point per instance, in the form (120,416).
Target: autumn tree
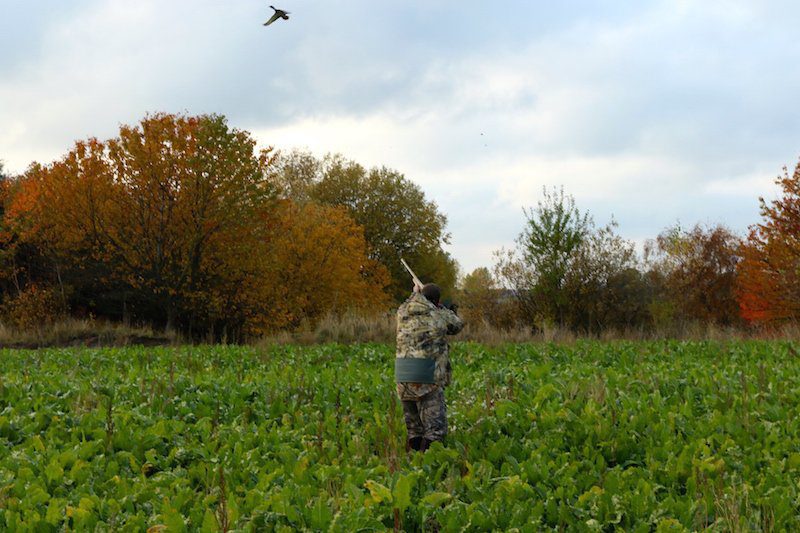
(397,218)
(694,274)
(478,281)
(161,213)
(31,275)
(26,263)
(5,194)
(316,263)
(9,249)
(5,187)
(768,277)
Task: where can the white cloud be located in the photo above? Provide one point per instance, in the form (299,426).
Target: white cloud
(749,186)
(656,112)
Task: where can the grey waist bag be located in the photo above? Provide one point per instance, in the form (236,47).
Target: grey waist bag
(414,370)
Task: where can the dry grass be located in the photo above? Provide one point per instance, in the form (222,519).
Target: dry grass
(343,329)
(353,328)
(75,332)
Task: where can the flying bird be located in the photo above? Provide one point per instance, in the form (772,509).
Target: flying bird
(279,14)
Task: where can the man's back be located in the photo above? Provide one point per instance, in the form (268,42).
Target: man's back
(422,330)
(422,366)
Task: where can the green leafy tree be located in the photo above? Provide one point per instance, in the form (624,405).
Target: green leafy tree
(603,286)
(398,220)
(478,281)
(475,295)
(295,174)
(553,231)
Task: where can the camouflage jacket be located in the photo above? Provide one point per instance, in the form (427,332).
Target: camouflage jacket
(422,328)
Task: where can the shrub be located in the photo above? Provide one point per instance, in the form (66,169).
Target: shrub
(35,306)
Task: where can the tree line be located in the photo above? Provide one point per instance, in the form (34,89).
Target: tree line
(180,222)
(566,272)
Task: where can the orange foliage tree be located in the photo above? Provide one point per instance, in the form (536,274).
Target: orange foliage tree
(24,262)
(317,263)
(768,281)
(161,213)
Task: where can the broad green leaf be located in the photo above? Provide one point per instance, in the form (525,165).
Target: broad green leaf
(37,443)
(55,511)
(210,524)
(87,504)
(36,495)
(402,491)
(173,520)
(54,472)
(321,515)
(436,499)
(379,493)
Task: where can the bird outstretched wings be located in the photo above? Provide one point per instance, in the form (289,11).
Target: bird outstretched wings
(279,14)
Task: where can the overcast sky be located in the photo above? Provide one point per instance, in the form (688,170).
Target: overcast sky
(650,112)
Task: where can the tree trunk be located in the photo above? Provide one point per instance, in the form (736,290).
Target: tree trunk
(126,316)
(172,314)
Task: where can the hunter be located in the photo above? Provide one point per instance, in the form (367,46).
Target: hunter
(422,366)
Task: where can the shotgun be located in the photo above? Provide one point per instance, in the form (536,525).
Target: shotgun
(417,282)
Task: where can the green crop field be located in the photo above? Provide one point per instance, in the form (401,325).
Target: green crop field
(660,436)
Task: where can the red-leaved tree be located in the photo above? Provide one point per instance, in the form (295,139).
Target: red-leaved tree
(768,277)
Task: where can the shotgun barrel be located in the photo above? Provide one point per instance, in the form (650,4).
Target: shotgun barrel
(417,282)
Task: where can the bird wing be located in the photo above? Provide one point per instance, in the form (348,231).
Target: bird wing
(272,19)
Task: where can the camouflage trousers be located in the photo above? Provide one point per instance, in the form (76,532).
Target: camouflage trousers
(426,417)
